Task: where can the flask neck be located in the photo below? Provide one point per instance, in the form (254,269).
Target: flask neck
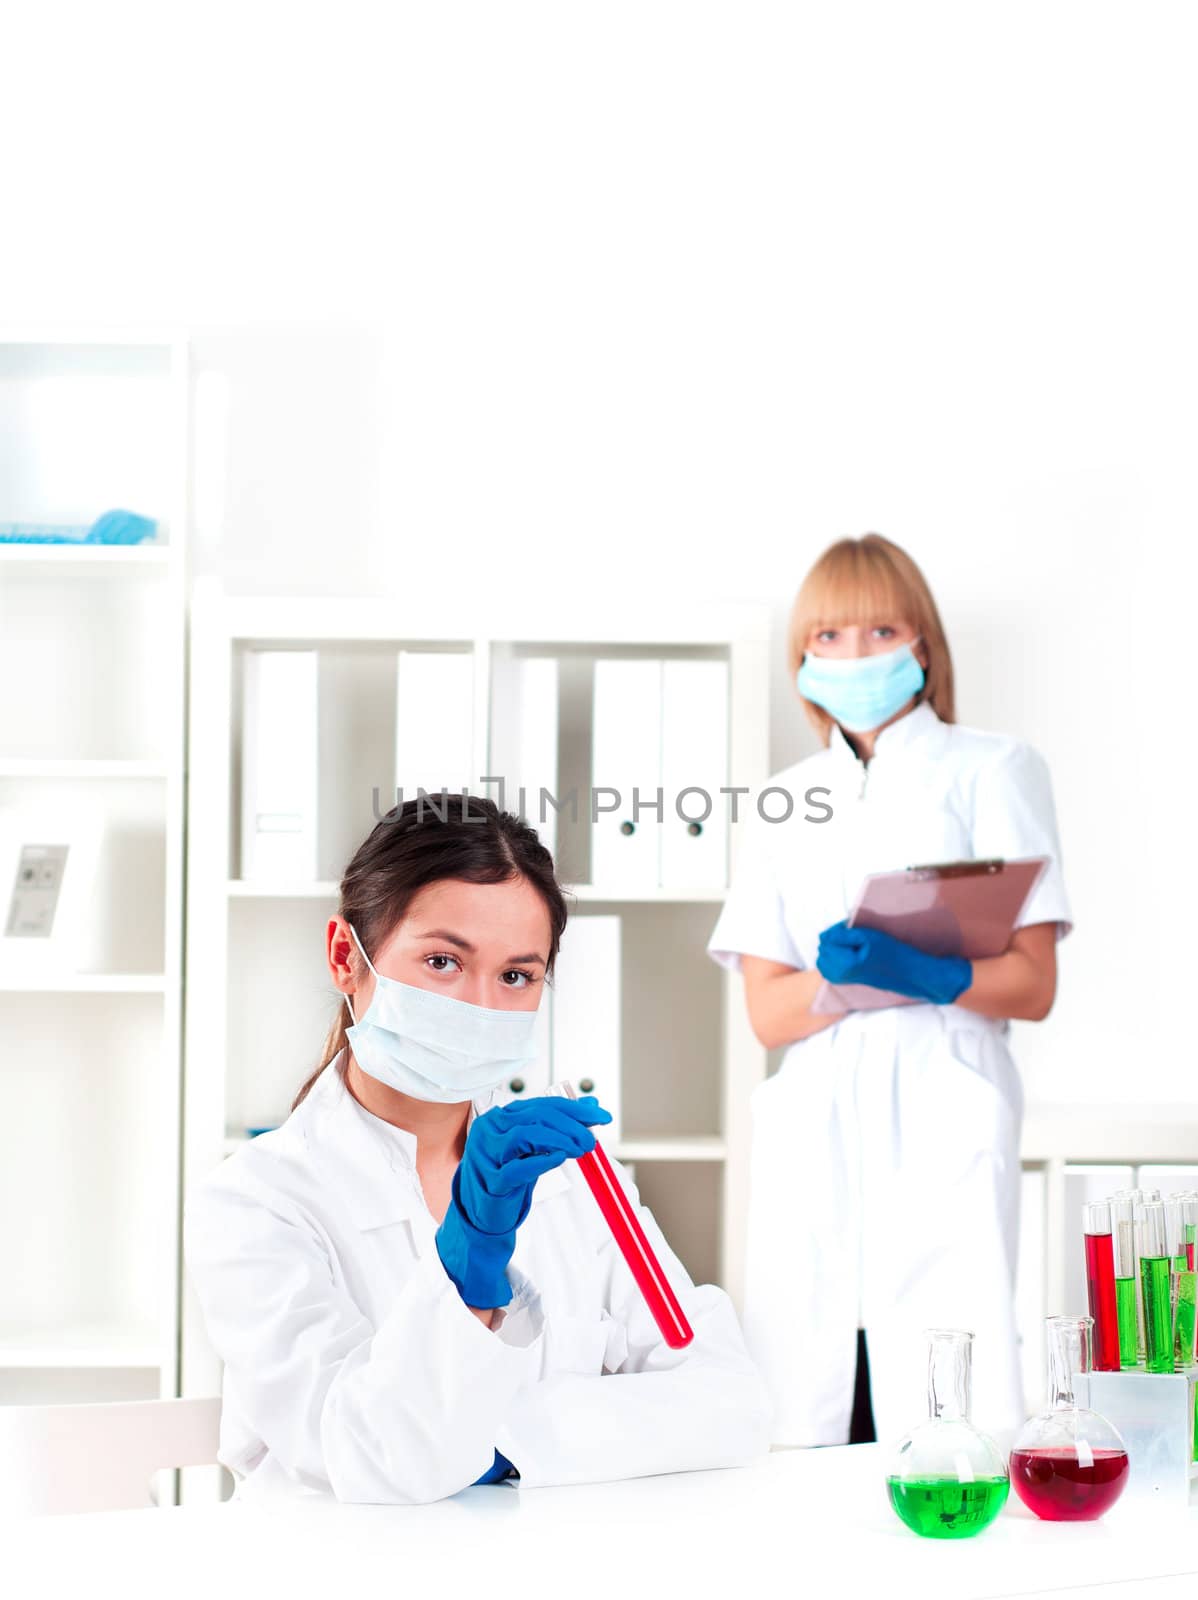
(1069,1357)
(949,1365)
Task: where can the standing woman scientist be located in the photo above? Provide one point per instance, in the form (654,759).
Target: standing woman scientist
(410,1284)
(885,1163)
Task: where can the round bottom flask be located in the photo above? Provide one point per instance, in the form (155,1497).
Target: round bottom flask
(1068,1464)
(946,1480)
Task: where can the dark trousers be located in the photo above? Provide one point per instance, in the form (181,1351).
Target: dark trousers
(861,1429)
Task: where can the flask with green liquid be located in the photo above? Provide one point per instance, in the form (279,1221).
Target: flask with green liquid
(946,1480)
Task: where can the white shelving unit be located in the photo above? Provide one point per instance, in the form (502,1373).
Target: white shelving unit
(256,950)
(93,658)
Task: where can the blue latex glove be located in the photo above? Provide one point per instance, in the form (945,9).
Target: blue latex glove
(507,1150)
(866,955)
(121,527)
(498,1470)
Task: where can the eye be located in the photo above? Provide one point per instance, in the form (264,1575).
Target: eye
(884,631)
(825,635)
(519,972)
(440,956)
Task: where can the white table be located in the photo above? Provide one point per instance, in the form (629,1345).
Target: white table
(801,1523)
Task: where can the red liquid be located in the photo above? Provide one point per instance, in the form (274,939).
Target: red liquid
(1055,1485)
(1100,1286)
(635,1248)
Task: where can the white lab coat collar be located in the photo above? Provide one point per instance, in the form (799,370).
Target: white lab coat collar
(371,1163)
(920,723)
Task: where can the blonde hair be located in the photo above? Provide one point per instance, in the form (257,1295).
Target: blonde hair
(868,581)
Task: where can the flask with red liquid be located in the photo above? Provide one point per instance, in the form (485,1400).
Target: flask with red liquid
(1069,1464)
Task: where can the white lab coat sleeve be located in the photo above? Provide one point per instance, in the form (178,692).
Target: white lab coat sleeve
(752,921)
(404,1413)
(660,1410)
(1014,815)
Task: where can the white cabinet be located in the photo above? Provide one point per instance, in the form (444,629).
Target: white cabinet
(91,764)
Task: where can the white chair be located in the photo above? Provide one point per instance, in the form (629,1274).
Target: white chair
(99,1457)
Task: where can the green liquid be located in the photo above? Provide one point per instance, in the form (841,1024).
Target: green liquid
(1158,1313)
(943,1508)
(1129,1332)
(1183,1321)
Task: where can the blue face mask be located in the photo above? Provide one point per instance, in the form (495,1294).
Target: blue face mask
(861,692)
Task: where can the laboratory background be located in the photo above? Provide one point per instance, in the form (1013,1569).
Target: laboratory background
(514,342)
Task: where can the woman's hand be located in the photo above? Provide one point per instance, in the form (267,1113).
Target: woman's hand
(866,955)
(507,1150)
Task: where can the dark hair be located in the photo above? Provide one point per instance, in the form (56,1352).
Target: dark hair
(424,841)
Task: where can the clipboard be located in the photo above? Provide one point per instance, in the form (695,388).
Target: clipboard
(950,908)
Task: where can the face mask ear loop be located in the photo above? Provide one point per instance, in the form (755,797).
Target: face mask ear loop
(365,958)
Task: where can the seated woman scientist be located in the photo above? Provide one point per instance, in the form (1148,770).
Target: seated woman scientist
(409,1283)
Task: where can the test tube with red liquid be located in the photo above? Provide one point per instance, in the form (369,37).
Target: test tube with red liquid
(1100,1284)
(634,1247)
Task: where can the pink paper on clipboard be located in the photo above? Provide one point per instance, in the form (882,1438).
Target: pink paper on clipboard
(955,908)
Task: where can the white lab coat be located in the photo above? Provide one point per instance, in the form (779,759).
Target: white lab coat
(352,1365)
(885,1160)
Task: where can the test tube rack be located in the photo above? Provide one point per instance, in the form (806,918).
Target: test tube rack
(1155,1413)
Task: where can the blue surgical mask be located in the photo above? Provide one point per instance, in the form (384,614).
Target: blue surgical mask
(861,692)
(434,1047)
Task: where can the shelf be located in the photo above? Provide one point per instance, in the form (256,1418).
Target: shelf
(35,767)
(591,892)
(251,889)
(84,1347)
(670,1149)
(106,557)
(328,889)
(1126,1134)
(84,983)
(664,1149)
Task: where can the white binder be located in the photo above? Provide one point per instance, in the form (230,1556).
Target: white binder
(279,765)
(586,1013)
(434,723)
(523,748)
(626,756)
(694,756)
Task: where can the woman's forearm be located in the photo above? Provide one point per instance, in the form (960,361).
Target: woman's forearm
(779,1002)
(1021,983)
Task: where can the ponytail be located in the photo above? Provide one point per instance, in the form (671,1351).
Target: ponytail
(335,1042)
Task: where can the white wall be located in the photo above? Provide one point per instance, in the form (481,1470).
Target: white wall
(561,296)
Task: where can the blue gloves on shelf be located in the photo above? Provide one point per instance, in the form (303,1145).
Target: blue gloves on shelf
(866,955)
(507,1150)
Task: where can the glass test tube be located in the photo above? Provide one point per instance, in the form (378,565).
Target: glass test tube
(1137,1199)
(1185,1285)
(1100,1284)
(1155,1284)
(634,1247)
(1123,1234)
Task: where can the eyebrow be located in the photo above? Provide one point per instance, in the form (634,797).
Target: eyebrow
(464,944)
